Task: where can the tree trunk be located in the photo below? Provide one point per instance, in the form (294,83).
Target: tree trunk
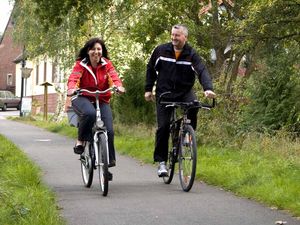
(60,88)
(233,74)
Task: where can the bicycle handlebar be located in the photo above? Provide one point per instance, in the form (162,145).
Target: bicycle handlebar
(194,104)
(113,88)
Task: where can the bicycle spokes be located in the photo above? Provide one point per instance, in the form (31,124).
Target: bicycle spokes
(84,160)
(87,162)
(187,158)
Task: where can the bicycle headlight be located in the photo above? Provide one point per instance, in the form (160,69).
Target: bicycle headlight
(99,123)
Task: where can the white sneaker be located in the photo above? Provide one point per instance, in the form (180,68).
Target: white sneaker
(162,170)
(186,140)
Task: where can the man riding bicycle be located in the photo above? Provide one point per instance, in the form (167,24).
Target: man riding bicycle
(173,67)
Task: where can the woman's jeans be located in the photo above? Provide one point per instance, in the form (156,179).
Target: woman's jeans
(87,115)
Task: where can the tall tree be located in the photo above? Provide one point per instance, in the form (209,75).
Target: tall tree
(234,30)
(230,28)
(58,29)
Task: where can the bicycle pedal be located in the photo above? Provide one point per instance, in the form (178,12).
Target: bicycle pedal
(163,175)
(110,176)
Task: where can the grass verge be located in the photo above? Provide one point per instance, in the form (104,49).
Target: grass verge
(266,169)
(23,198)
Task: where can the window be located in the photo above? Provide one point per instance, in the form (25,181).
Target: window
(9,79)
(37,74)
(54,72)
(45,71)
(9,94)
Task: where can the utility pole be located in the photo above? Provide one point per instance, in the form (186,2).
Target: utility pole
(23,63)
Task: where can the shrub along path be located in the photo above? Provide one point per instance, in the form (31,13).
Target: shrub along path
(136,196)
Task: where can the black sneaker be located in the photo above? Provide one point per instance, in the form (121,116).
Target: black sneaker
(79,149)
(112,163)
(110,176)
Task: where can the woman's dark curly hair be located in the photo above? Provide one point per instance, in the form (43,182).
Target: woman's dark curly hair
(83,53)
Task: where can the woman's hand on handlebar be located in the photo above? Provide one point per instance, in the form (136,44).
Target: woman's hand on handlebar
(71,92)
(120,90)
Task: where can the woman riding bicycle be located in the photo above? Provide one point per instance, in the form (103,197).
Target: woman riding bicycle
(93,71)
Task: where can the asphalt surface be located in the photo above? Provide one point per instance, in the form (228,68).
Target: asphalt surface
(136,195)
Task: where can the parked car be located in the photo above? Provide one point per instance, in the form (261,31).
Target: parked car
(9,100)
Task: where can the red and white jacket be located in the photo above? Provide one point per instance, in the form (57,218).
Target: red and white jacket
(100,78)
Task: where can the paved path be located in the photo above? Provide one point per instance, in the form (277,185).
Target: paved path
(136,196)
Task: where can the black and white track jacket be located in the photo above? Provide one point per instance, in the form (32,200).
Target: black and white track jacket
(177,76)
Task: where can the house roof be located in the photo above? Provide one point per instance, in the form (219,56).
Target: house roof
(19,58)
(8,21)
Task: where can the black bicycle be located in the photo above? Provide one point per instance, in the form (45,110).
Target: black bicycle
(182,141)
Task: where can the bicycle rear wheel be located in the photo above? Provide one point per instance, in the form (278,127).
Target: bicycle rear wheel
(87,165)
(103,163)
(172,155)
(187,157)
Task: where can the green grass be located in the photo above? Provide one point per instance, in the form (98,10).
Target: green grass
(62,127)
(137,142)
(263,168)
(24,199)
(267,178)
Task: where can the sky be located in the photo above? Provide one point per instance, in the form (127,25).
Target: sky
(5,10)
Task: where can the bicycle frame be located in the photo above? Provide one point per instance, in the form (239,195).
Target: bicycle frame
(99,128)
(177,121)
(177,124)
(97,161)
(99,124)
(185,106)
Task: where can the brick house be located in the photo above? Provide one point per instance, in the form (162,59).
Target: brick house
(43,70)
(8,52)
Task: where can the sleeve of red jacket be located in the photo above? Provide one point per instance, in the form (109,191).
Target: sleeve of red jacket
(113,75)
(74,78)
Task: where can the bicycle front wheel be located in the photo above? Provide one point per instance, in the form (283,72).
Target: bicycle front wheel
(103,163)
(187,157)
(87,165)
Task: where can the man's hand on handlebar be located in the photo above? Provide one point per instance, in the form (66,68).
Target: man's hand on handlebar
(149,96)
(209,94)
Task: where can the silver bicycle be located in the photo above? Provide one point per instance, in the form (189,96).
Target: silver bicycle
(96,153)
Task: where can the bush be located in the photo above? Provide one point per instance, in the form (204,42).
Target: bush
(131,108)
(275,92)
